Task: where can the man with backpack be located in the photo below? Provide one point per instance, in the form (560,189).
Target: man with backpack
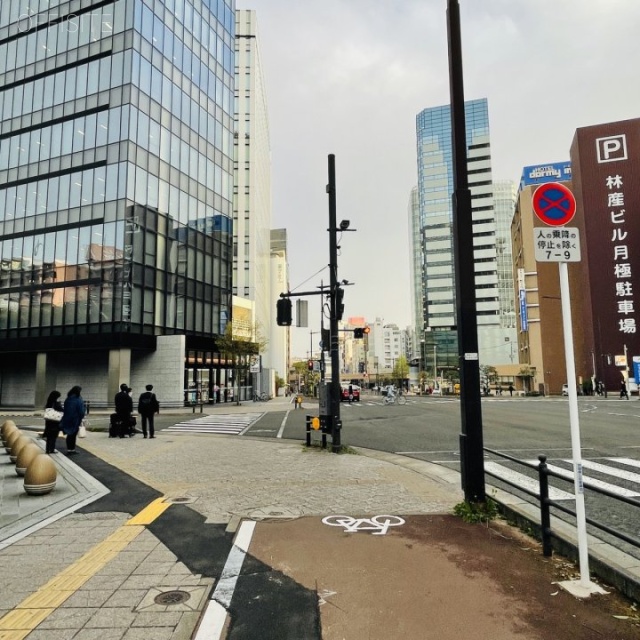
(148,405)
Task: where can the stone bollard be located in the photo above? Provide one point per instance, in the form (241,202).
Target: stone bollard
(6,433)
(26,455)
(18,444)
(6,426)
(11,438)
(40,476)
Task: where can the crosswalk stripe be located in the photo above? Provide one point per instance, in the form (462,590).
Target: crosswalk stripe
(228,424)
(526,482)
(611,471)
(568,475)
(630,462)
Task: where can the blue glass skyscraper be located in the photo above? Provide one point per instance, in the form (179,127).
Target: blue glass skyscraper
(433,238)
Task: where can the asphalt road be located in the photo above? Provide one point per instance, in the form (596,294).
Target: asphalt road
(429,429)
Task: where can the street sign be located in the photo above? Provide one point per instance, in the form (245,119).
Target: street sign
(554,204)
(557,245)
(254,364)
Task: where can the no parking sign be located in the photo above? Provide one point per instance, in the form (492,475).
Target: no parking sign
(554,204)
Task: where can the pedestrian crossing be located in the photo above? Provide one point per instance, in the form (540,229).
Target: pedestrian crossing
(609,474)
(224,423)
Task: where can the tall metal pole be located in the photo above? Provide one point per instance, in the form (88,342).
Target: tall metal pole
(334,390)
(324,346)
(471,443)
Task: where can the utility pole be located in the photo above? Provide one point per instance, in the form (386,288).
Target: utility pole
(471,442)
(334,389)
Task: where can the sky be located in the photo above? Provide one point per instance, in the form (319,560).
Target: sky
(349,77)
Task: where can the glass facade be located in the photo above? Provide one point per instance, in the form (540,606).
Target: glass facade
(116,176)
(437,300)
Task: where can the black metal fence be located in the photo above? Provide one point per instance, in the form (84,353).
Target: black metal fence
(546,503)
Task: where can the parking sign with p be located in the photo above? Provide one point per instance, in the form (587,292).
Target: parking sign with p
(611,148)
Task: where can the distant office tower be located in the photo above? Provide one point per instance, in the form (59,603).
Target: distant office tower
(504,200)
(415,268)
(435,186)
(279,347)
(252,188)
(116,180)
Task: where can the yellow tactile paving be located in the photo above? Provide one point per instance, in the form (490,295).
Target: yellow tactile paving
(21,619)
(20,622)
(150,513)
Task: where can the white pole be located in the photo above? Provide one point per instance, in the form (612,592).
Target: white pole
(575,425)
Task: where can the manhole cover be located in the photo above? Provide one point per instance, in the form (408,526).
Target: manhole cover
(172,597)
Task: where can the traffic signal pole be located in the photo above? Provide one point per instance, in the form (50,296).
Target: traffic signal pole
(334,389)
(471,441)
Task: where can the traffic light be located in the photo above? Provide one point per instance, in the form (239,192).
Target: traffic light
(360,331)
(339,303)
(310,365)
(283,308)
(366,330)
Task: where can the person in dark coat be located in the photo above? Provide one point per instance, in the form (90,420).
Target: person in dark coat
(148,405)
(52,427)
(623,390)
(72,417)
(124,409)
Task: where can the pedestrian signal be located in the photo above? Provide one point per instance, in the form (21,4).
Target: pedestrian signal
(367,330)
(358,333)
(283,309)
(310,365)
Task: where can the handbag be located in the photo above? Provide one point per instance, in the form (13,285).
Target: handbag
(82,431)
(51,414)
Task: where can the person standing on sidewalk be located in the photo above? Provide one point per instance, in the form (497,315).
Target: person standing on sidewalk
(124,409)
(148,405)
(72,417)
(52,427)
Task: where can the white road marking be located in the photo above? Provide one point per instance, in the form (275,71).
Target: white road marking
(630,462)
(568,475)
(284,422)
(532,484)
(215,614)
(611,471)
(226,423)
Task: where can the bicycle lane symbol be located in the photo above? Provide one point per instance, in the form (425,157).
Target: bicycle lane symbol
(378,525)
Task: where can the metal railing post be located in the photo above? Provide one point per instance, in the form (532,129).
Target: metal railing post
(545,512)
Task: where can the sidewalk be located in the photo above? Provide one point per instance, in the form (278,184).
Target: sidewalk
(278,482)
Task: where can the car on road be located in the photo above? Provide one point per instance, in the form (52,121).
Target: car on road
(344,395)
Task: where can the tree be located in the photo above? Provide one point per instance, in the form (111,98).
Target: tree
(280,382)
(237,350)
(488,374)
(401,370)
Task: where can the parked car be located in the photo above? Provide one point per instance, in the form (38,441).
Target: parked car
(344,396)
(565,389)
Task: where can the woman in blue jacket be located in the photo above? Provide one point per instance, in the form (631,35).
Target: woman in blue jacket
(72,417)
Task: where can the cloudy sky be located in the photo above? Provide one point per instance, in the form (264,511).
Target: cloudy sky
(348,77)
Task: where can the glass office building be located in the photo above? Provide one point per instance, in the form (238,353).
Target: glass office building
(434,228)
(116,183)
